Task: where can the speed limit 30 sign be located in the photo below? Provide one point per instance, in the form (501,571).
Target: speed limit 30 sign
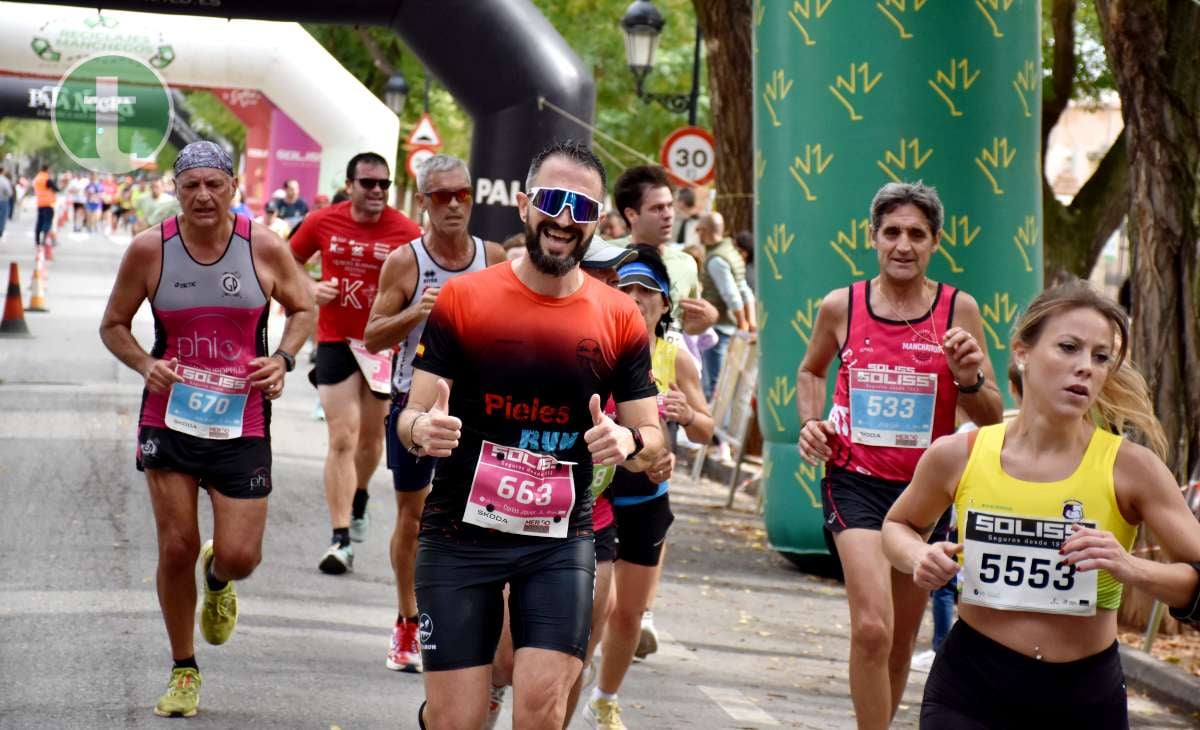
(690,153)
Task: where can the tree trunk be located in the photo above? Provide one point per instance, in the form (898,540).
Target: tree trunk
(1156,62)
(728,40)
(1075,234)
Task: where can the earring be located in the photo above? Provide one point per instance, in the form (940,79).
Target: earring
(1021,368)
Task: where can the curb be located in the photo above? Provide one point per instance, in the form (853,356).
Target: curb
(1160,680)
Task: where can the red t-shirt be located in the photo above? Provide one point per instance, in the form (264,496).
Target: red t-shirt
(354,253)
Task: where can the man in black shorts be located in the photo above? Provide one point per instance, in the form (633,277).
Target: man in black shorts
(354,238)
(507,389)
(206,411)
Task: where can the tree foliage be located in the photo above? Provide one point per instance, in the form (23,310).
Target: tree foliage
(592,30)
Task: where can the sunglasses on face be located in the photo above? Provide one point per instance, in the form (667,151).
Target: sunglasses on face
(370,183)
(551,201)
(443,197)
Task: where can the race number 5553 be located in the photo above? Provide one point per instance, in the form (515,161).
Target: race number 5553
(1015,570)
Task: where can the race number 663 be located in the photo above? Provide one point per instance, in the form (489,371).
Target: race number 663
(523,492)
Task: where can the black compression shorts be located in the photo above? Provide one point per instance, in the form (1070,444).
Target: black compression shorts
(239,468)
(642,530)
(606,544)
(460,594)
(978,684)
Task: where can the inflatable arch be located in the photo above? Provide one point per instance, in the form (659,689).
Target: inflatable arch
(949,93)
(315,115)
(32,98)
(498,58)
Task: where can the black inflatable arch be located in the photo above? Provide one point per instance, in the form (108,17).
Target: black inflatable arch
(29,97)
(497,57)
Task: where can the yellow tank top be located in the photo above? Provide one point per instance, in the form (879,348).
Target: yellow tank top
(1088,494)
(662,362)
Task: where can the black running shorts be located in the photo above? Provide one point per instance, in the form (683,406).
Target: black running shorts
(238,468)
(851,500)
(460,594)
(978,684)
(606,544)
(642,530)
(409,474)
(335,363)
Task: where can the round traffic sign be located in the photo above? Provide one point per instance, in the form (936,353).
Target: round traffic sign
(416,157)
(690,153)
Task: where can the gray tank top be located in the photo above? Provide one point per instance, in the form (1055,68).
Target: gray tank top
(429,274)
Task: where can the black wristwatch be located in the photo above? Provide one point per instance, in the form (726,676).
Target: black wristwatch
(973,388)
(289,362)
(638,443)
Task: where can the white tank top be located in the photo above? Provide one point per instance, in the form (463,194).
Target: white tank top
(429,274)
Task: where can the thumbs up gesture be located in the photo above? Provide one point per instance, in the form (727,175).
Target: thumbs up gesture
(607,442)
(436,432)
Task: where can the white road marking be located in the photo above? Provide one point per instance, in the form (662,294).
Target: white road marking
(738,706)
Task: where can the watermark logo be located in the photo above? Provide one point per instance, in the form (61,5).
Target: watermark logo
(123,113)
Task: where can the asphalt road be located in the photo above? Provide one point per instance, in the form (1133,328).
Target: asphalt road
(749,642)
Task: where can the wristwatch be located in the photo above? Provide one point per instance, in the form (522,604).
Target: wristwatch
(289,362)
(638,444)
(973,388)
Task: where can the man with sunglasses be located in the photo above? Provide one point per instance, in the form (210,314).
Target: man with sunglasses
(409,284)
(354,238)
(507,387)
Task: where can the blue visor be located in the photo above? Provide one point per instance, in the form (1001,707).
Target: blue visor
(639,273)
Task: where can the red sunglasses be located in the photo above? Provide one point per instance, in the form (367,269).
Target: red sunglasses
(443,197)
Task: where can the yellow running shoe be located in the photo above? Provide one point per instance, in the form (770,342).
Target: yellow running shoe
(183,694)
(218,615)
(603,714)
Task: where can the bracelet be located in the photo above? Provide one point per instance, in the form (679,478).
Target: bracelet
(415,448)
(806,421)
(1191,612)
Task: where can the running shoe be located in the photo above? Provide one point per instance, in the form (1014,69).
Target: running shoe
(405,654)
(923,661)
(183,694)
(648,641)
(603,714)
(358,527)
(337,560)
(495,704)
(218,615)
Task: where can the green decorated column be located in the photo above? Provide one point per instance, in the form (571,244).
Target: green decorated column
(850,94)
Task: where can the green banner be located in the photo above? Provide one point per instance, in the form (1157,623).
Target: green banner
(851,94)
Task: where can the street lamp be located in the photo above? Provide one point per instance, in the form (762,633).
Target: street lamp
(395,93)
(642,23)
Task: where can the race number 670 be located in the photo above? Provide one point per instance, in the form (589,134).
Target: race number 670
(207,402)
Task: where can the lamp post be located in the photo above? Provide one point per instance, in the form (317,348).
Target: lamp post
(642,24)
(395,93)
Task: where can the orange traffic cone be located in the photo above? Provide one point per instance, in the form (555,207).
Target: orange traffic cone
(37,285)
(13,324)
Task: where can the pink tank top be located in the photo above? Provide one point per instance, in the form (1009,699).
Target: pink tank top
(894,394)
(212,317)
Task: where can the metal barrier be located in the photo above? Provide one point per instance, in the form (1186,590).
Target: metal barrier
(732,404)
